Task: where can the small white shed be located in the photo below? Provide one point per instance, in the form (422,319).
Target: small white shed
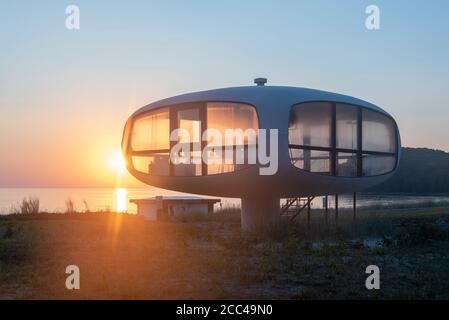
(168,207)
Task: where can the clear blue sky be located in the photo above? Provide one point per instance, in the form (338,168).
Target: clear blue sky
(83,84)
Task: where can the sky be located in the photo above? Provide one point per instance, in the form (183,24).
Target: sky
(66,94)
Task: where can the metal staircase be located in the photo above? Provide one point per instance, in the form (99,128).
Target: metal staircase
(294,206)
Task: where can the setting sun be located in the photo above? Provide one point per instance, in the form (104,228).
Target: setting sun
(117,163)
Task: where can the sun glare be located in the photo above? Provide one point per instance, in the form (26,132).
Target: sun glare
(117,163)
(122,195)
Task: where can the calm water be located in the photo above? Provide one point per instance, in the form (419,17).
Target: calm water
(53,199)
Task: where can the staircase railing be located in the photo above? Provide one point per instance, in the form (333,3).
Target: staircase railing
(299,208)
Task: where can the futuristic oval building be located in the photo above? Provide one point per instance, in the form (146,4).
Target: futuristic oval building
(314,143)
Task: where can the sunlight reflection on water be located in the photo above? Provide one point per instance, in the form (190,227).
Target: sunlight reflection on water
(122,199)
(103,199)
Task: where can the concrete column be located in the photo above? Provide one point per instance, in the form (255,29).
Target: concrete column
(259,212)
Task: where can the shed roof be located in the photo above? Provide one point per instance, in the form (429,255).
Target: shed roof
(176,199)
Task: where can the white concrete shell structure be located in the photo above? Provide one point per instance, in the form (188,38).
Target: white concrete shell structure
(328,143)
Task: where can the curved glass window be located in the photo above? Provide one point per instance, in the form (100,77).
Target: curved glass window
(156,164)
(189,137)
(212,138)
(222,116)
(379,132)
(341,140)
(151,132)
(311,125)
(374,165)
(346,164)
(346,118)
(237,125)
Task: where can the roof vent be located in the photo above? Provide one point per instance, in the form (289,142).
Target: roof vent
(260,81)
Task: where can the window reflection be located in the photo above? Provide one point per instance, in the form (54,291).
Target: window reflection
(151,132)
(379,133)
(310,125)
(157,164)
(310,160)
(346,117)
(222,162)
(313,148)
(189,136)
(191,167)
(377,164)
(346,164)
(224,115)
(190,124)
(243,119)
(319,161)
(150,138)
(297,157)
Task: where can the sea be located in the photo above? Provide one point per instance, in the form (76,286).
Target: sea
(118,199)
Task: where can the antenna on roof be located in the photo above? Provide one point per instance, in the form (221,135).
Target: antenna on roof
(260,81)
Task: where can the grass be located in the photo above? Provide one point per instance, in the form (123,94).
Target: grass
(125,257)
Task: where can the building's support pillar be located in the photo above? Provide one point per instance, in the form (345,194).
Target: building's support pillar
(258,212)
